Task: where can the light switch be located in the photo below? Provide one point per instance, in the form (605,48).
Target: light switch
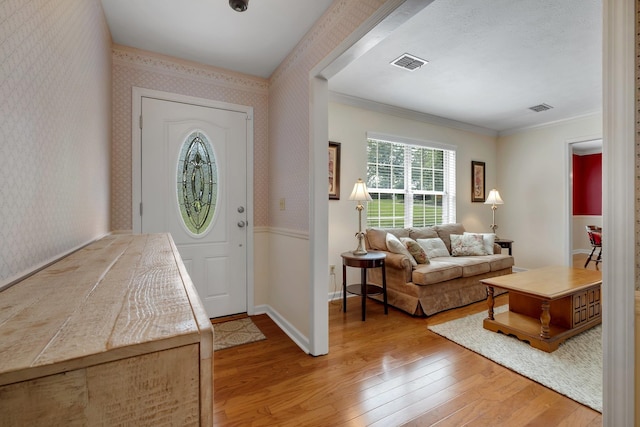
(282,204)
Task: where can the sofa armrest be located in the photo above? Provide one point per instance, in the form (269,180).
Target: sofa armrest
(399,262)
(497,249)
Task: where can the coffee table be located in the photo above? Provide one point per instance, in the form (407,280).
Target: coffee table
(546,305)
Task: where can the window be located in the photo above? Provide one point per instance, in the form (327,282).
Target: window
(197,183)
(411,184)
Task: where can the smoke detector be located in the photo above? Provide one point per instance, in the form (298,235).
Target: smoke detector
(408,62)
(239,5)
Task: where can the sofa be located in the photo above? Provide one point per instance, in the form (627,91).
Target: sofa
(449,277)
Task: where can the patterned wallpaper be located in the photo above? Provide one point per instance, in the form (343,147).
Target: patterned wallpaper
(132,67)
(55,123)
(289,111)
(281,155)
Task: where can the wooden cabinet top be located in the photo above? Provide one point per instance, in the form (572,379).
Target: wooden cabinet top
(121,296)
(547,282)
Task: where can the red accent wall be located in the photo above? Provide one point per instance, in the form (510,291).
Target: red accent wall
(587,184)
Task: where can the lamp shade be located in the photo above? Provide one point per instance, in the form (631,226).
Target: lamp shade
(494,198)
(360,192)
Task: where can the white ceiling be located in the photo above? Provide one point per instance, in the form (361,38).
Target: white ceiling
(210,32)
(489,60)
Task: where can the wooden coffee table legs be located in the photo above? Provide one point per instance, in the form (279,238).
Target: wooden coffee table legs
(545,320)
(490,301)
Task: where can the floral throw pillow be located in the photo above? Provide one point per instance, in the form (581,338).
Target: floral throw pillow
(488,239)
(397,247)
(416,250)
(467,245)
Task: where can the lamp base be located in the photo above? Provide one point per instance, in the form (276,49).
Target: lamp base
(360,250)
(493,229)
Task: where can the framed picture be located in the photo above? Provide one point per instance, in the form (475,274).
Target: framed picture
(477,181)
(334,170)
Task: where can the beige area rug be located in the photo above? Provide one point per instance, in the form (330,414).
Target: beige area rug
(235,332)
(574,369)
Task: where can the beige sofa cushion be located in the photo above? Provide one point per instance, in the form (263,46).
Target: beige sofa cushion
(376,237)
(422,233)
(435,272)
(471,265)
(498,261)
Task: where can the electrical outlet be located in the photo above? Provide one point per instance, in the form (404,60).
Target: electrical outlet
(332,269)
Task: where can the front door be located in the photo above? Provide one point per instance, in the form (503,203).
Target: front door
(194,186)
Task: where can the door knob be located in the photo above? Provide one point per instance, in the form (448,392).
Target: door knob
(241,224)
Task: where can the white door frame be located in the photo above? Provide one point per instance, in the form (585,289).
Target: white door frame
(618,212)
(137,94)
(568,192)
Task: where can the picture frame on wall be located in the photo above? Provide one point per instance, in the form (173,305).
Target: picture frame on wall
(477,181)
(334,170)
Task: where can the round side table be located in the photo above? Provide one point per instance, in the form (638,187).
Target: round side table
(368,260)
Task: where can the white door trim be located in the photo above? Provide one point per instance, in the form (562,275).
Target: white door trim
(568,193)
(619,205)
(137,94)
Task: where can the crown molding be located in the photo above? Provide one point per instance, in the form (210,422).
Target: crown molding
(180,68)
(405,113)
(548,124)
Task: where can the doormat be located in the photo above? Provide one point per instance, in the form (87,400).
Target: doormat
(234,333)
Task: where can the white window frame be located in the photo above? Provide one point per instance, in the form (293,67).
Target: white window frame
(449,192)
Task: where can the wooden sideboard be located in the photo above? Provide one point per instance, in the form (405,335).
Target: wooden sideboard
(113,334)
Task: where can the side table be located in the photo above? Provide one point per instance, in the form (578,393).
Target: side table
(368,260)
(505,243)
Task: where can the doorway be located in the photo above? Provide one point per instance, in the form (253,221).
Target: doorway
(584,196)
(193,175)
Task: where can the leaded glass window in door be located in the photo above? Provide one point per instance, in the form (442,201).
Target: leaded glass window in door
(197,183)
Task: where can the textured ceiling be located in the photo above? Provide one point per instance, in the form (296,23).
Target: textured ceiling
(489,60)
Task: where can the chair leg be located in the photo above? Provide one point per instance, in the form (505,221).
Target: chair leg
(599,259)
(590,255)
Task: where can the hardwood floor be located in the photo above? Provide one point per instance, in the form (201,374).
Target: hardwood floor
(580,259)
(388,371)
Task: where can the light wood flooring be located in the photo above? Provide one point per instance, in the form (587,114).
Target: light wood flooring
(580,259)
(387,371)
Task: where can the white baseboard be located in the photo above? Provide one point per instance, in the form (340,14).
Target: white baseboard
(293,333)
(338,295)
(581,251)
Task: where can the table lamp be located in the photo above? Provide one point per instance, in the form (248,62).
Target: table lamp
(360,194)
(493,200)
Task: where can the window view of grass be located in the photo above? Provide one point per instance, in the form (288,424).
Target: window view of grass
(386,212)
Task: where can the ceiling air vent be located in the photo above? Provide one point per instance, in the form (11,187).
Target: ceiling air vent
(408,62)
(540,108)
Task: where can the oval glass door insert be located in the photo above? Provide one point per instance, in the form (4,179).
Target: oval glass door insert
(197,183)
